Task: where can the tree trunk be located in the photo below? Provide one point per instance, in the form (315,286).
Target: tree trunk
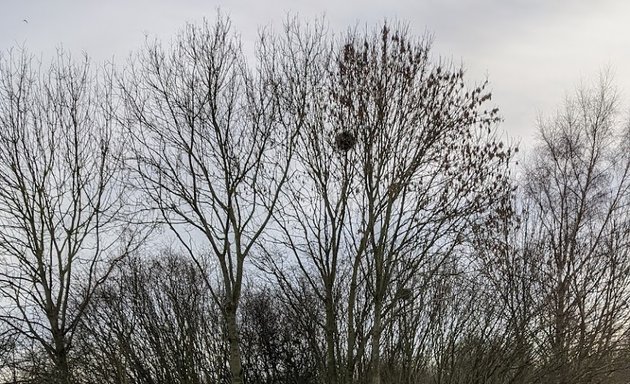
(62,369)
(236,370)
(60,353)
(376,340)
(352,297)
(331,366)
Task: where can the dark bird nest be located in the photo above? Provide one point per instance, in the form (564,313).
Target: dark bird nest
(345,140)
(405,294)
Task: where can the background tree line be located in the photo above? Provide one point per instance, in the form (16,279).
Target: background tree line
(338,209)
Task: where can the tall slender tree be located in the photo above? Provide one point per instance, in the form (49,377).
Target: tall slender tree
(60,201)
(577,189)
(213,146)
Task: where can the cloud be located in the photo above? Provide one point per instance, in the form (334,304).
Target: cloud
(533,51)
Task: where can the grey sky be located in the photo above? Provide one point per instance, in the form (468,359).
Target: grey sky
(533,52)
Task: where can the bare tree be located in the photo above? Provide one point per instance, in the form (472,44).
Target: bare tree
(511,273)
(154,321)
(60,199)
(397,162)
(213,148)
(428,166)
(577,190)
(562,272)
(277,337)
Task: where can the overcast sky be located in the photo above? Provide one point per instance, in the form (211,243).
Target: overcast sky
(533,52)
